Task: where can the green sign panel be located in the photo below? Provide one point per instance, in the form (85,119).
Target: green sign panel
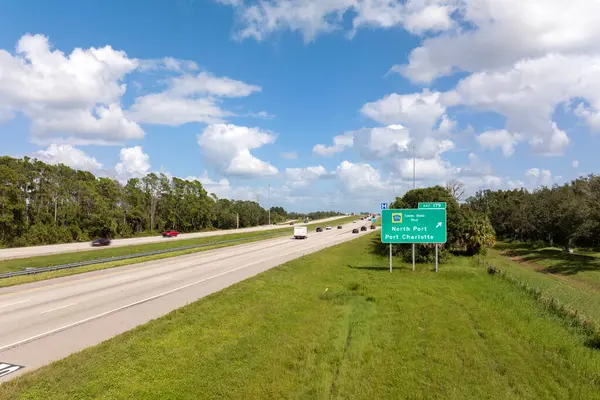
(411,225)
(374,220)
(436,204)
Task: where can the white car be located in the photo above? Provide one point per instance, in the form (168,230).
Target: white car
(328,227)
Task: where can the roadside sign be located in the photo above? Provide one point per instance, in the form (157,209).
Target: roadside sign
(374,220)
(384,206)
(435,204)
(413,226)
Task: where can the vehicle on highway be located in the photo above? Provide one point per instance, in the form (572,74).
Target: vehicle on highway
(319,229)
(355,230)
(363,228)
(328,227)
(372,226)
(300,232)
(170,233)
(292,223)
(353,222)
(306,221)
(101,242)
(339,227)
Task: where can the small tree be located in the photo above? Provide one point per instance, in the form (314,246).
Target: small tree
(478,233)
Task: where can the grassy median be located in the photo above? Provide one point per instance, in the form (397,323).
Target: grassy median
(337,324)
(211,242)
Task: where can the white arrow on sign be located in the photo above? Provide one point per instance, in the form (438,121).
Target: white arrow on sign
(439,224)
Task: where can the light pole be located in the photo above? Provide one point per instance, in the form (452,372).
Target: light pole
(414,176)
(414,166)
(269,204)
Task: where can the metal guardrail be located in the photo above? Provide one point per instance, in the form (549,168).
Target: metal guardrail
(32,271)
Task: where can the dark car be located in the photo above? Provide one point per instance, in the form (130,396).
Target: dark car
(355,230)
(339,227)
(170,233)
(319,229)
(372,226)
(101,242)
(363,228)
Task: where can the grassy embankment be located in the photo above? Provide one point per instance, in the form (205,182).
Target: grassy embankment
(337,324)
(570,280)
(66,258)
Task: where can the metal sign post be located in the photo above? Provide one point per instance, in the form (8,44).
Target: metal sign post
(436,257)
(390,257)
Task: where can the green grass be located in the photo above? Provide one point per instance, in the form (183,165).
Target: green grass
(570,279)
(582,266)
(66,258)
(337,324)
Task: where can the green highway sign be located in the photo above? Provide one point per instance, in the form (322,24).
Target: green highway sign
(411,225)
(374,220)
(435,204)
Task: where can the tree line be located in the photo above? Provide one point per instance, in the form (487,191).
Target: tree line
(47,204)
(565,215)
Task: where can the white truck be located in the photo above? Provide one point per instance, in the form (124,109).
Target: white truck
(300,232)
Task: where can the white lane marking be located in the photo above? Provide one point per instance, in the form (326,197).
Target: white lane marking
(58,308)
(15,303)
(115,310)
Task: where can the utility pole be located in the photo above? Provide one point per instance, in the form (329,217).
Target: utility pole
(414,179)
(269,204)
(237,220)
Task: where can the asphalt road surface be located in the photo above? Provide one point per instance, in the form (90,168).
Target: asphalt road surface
(45,321)
(23,252)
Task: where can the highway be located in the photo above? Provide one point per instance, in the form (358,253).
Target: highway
(23,252)
(45,321)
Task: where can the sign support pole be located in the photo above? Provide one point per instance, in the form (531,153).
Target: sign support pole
(390,258)
(436,257)
(413,254)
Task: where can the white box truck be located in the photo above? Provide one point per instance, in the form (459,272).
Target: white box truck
(300,232)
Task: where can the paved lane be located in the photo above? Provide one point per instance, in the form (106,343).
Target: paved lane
(23,252)
(45,321)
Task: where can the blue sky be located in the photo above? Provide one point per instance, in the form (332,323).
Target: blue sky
(238,93)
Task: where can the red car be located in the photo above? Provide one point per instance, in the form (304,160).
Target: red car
(170,233)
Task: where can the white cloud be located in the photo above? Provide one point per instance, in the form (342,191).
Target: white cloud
(360,178)
(539,177)
(426,169)
(501,36)
(169,64)
(575,164)
(528,93)
(70,156)
(228,146)
(500,138)
(301,177)
(340,143)
(419,112)
(206,83)
(162,108)
(314,17)
(73,98)
(189,98)
(134,163)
